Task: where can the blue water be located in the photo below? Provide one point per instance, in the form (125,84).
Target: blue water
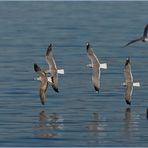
(76,116)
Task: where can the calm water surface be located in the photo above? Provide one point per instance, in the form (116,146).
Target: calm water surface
(76,116)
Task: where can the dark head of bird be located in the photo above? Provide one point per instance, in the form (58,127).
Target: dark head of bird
(127,61)
(50,45)
(87,45)
(36,68)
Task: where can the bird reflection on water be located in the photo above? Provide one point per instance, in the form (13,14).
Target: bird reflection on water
(95,126)
(131,124)
(49,125)
(128,121)
(96,129)
(128,118)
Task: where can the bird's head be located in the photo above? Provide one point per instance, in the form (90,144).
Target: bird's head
(127,61)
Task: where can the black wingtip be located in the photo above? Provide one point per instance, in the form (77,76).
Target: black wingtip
(145,30)
(49,49)
(42,102)
(96,89)
(50,45)
(128,102)
(56,90)
(124,46)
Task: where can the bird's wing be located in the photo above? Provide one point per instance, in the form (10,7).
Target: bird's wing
(133,41)
(50,59)
(91,55)
(42,90)
(145,31)
(38,70)
(96,78)
(127,72)
(128,93)
(54,83)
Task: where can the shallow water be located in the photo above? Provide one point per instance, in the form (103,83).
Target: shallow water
(76,116)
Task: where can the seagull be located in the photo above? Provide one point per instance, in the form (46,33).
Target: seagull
(144,38)
(52,69)
(128,81)
(44,83)
(95,65)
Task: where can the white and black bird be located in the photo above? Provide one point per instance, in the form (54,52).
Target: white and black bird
(129,81)
(44,83)
(144,38)
(95,65)
(52,69)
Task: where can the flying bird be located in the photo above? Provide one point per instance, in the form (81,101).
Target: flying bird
(95,65)
(52,69)
(128,93)
(44,83)
(144,38)
(129,81)
(127,72)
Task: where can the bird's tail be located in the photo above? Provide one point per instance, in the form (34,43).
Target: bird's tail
(60,71)
(103,65)
(136,84)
